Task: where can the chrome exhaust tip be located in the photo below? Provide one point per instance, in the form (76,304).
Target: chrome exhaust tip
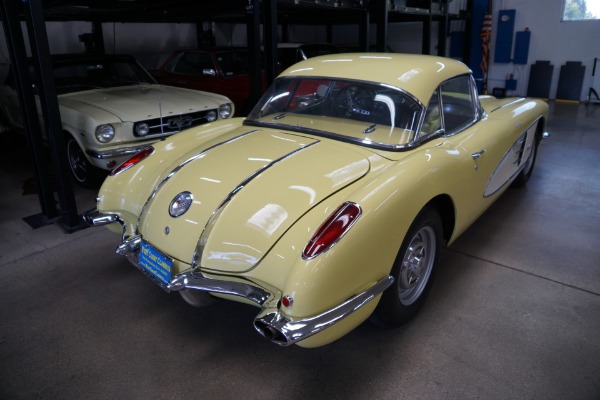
(271,333)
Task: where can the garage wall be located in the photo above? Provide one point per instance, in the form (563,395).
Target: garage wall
(150,43)
(551,40)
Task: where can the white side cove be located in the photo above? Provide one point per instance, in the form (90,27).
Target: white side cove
(513,161)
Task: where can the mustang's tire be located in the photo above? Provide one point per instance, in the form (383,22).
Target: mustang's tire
(84,173)
(527,170)
(413,271)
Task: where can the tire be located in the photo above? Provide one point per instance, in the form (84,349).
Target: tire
(413,271)
(527,170)
(84,173)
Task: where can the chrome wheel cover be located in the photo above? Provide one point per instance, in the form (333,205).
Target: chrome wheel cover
(77,161)
(416,265)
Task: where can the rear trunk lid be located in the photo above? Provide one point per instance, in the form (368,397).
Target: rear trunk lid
(246,194)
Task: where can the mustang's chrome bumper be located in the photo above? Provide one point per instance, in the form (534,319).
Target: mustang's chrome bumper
(114,153)
(271,323)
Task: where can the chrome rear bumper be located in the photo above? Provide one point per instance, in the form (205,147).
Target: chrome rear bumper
(271,323)
(94,217)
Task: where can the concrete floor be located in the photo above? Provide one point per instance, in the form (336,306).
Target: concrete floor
(514,312)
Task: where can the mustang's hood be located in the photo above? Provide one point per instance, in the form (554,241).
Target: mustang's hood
(141,102)
(246,193)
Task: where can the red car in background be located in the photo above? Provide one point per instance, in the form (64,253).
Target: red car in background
(218,70)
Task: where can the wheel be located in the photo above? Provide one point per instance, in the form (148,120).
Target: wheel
(527,170)
(82,171)
(353,101)
(413,271)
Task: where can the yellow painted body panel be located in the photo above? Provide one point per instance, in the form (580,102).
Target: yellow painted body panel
(261,193)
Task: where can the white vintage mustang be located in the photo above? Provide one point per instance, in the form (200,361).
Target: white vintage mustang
(330,202)
(111,108)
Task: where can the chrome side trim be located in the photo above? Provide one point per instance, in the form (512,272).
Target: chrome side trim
(273,325)
(508,104)
(179,167)
(214,216)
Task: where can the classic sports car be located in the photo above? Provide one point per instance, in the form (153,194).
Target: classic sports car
(219,70)
(111,108)
(330,202)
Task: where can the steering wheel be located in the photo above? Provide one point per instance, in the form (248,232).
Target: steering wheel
(353,101)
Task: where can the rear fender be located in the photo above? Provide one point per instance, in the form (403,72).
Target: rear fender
(390,203)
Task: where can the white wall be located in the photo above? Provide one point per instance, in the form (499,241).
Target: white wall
(551,40)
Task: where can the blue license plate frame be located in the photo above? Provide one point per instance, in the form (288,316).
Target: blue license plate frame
(155,264)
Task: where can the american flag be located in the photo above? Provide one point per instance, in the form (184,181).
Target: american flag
(485,34)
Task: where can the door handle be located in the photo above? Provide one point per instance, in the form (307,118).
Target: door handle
(477,154)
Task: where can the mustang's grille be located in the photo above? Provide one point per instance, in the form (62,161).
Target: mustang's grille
(173,123)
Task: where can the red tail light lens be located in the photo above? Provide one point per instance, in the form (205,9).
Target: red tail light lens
(332,230)
(145,152)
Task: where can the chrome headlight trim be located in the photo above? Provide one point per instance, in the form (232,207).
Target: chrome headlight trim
(105,133)
(225,111)
(142,128)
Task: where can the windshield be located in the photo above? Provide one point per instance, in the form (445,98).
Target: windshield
(76,76)
(364,112)
(233,63)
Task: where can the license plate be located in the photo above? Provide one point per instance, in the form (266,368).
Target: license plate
(155,264)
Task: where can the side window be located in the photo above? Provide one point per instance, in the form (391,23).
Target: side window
(457,104)
(433,117)
(195,63)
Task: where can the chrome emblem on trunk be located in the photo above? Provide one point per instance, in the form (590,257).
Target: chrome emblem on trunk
(180,204)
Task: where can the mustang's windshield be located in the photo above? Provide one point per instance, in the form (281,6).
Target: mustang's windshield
(364,112)
(76,76)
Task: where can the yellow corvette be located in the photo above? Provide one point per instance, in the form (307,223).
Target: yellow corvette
(330,202)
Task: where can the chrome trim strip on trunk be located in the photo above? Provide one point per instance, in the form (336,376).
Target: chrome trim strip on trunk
(273,325)
(214,216)
(179,167)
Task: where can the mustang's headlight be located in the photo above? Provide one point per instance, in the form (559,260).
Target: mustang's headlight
(211,116)
(225,111)
(105,133)
(142,129)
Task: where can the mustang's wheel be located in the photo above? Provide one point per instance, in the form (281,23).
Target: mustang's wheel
(84,173)
(413,271)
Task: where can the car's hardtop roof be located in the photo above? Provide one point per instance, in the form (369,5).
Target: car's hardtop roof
(417,74)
